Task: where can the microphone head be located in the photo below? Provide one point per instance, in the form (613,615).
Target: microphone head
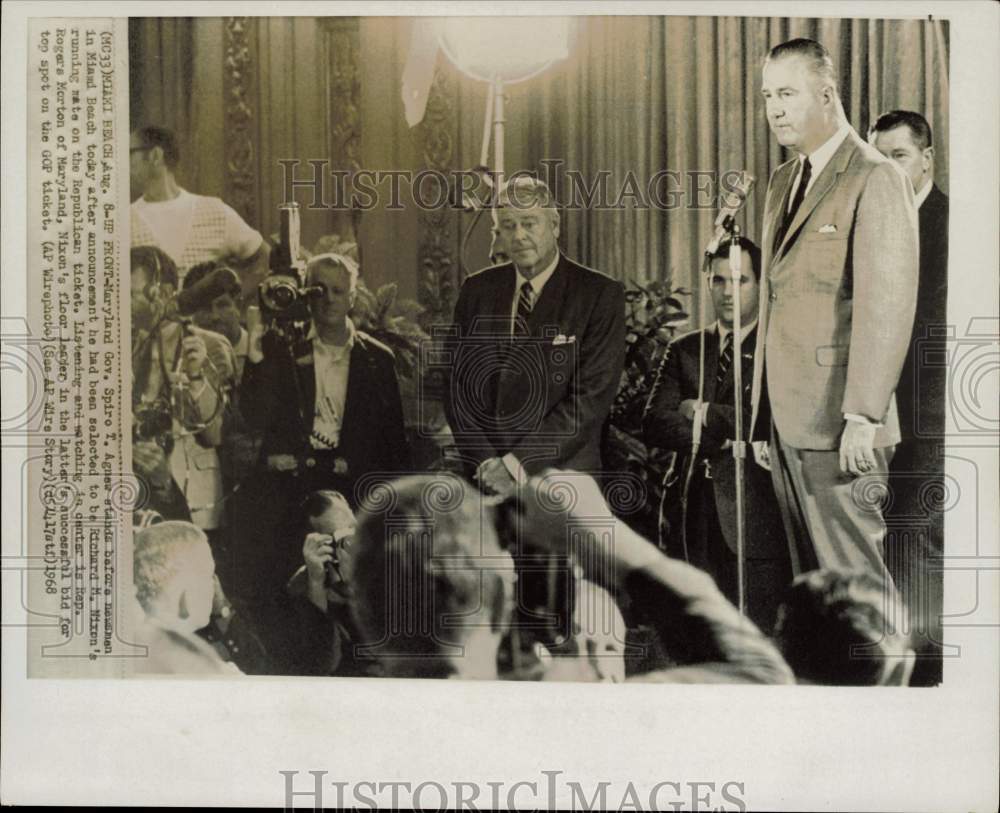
(728,212)
(741,190)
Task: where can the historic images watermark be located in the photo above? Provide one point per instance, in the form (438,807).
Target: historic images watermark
(315,185)
(549,791)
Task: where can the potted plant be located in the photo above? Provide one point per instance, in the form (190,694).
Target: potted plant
(653,314)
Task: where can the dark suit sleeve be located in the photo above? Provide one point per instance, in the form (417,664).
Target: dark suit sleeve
(259,389)
(470,438)
(699,626)
(580,416)
(663,426)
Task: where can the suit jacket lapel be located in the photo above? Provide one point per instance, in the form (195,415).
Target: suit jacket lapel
(711,361)
(547,308)
(782,190)
(746,348)
(545,313)
(503,296)
(824,183)
(305,375)
(357,375)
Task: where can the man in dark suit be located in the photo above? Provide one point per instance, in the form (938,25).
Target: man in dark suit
(329,410)
(709,540)
(837,300)
(918,466)
(536,351)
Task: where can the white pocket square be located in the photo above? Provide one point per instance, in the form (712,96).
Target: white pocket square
(561,339)
(829,228)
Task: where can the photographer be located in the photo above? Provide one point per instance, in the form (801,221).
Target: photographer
(328,407)
(319,637)
(181,377)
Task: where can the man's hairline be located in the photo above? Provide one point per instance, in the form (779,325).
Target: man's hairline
(903,126)
(816,75)
(329,262)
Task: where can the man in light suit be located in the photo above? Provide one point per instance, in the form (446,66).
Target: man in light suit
(837,304)
(535,353)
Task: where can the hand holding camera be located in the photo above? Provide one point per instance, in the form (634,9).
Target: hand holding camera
(195,353)
(150,463)
(317,551)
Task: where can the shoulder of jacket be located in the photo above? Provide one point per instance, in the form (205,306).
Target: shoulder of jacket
(685,340)
(591,277)
(370,344)
(486,275)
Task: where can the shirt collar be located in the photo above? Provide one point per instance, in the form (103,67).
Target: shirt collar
(923,194)
(319,344)
(820,157)
(725,331)
(538,281)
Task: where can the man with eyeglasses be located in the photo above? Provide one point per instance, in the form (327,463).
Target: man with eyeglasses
(190,228)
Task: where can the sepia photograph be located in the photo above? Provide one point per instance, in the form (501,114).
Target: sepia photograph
(384,321)
(545,345)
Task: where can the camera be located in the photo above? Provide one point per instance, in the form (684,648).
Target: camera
(284,296)
(153,421)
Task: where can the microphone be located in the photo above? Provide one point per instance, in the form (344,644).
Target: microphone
(725,219)
(200,295)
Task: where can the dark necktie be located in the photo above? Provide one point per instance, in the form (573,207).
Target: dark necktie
(525,300)
(800,193)
(725,359)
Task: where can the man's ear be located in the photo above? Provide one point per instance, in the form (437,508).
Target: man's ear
(928,156)
(829,97)
(156,156)
(183,611)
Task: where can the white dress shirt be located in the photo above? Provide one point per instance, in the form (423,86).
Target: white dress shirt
(331,365)
(818,159)
(921,196)
(725,331)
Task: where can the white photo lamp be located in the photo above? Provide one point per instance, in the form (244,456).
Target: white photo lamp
(502,51)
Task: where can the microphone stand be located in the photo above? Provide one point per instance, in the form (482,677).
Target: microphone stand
(739,445)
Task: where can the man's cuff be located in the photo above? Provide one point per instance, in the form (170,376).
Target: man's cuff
(515,468)
(853,416)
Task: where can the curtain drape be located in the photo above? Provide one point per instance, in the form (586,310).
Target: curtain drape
(644,94)
(636,97)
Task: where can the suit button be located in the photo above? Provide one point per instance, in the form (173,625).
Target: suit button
(773,297)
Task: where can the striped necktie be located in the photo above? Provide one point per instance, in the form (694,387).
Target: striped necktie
(800,193)
(525,301)
(725,359)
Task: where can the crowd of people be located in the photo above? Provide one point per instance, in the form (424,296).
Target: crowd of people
(287,530)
